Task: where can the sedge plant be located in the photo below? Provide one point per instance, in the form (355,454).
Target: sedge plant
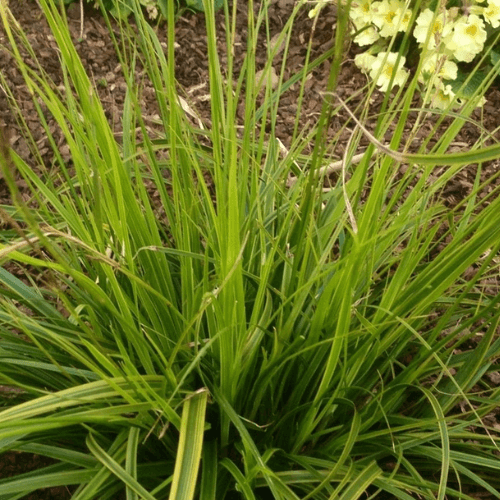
(265,337)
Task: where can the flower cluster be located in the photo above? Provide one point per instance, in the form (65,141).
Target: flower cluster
(445,36)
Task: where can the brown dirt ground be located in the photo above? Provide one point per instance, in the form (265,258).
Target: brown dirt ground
(100,60)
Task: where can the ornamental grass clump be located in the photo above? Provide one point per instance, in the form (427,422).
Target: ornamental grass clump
(268,336)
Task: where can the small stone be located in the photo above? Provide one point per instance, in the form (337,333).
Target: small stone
(261,79)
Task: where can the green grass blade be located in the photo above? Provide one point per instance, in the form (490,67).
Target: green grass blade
(131,460)
(116,469)
(360,484)
(208,485)
(190,446)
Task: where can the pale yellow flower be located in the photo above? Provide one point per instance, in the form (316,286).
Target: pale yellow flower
(390,16)
(364,61)
(368,36)
(439,25)
(468,38)
(491,13)
(384,68)
(443,97)
(440,65)
(361,12)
